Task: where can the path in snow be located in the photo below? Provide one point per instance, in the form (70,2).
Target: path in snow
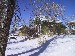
(57,46)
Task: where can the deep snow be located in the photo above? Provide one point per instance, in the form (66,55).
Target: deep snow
(53,46)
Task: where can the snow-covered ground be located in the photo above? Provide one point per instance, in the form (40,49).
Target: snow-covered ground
(53,46)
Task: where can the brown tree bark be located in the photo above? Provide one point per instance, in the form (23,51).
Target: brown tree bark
(4,31)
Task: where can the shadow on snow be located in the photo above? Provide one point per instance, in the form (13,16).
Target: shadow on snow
(41,48)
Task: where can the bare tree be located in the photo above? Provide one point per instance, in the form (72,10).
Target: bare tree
(44,8)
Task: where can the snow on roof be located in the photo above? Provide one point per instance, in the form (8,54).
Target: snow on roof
(20,27)
(44,18)
(48,18)
(72,21)
(58,21)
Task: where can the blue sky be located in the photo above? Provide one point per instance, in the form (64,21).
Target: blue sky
(69,8)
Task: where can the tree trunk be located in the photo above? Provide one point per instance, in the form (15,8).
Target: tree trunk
(7,10)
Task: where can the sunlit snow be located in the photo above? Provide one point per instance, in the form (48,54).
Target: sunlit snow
(54,46)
